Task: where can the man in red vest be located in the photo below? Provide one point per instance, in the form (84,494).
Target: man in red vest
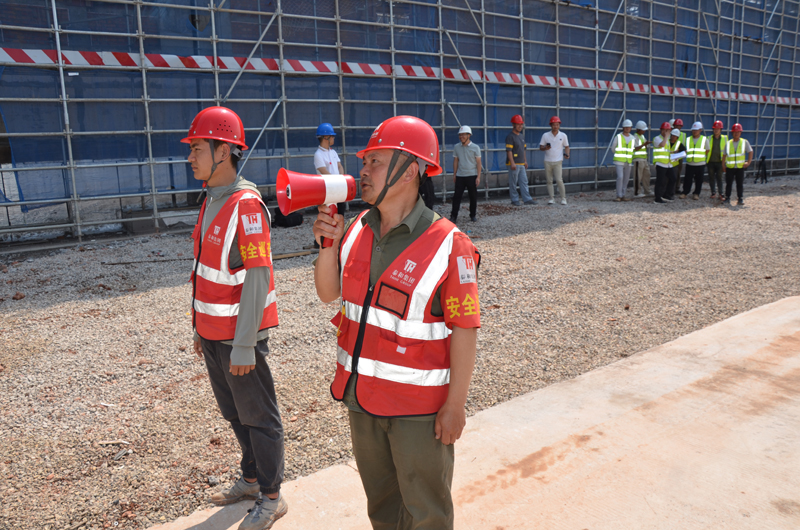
(407,329)
(233,306)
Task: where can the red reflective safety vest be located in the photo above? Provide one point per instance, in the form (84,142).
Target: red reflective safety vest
(216,289)
(387,333)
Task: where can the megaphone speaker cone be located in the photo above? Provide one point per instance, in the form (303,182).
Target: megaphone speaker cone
(296,191)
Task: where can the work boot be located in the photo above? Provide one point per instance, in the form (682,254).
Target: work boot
(695,197)
(240,491)
(473,218)
(264,513)
(740,202)
(682,196)
(531,201)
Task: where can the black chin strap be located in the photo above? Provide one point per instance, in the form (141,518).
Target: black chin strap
(214,163)
(410,159)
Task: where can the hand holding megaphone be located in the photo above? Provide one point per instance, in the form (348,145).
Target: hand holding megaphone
(296,191)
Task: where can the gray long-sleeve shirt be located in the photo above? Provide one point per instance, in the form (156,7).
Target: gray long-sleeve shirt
(256,280)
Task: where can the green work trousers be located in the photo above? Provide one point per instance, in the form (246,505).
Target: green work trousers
(406,472)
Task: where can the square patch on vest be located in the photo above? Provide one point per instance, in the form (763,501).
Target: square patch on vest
(252,223)
(466,270)
(392,300)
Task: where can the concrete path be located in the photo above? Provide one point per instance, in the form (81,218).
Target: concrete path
(699,433)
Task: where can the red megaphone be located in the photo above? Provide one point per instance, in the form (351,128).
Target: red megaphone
(296,191)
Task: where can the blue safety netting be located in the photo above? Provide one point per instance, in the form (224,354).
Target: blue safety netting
(112,151)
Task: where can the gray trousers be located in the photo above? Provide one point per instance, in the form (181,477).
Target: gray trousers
(623,176)
(249,404)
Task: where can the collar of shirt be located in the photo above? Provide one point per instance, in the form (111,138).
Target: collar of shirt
(373,219)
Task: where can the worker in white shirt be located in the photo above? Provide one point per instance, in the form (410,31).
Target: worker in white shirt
(325,159)
(556,148)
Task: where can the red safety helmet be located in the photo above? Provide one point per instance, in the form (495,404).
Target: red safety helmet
(679,123)
(717,125)
(555,119)
(217,123)
(516,118)
(666,126)
(408,134)
(736,127)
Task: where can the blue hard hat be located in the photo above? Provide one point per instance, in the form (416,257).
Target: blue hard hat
(325,129)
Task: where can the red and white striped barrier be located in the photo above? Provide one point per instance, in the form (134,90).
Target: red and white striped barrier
(157,60)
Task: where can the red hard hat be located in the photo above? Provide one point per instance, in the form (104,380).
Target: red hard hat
(555,119)
(217,123)
(736,127)
(717,125)
(666,126)
(409,134)
(679,123)
(516,118)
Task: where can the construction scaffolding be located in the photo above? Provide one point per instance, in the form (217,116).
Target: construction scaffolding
(96,95)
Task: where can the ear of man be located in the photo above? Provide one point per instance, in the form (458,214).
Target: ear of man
(223,152)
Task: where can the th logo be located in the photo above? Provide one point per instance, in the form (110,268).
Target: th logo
(410,265)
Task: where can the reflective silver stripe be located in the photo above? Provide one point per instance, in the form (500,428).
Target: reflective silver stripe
(427,284)
(227,310)
(233,224)
(344,358)
(417,330)
(216,310)
(349,242)
(395,373)
(220,277)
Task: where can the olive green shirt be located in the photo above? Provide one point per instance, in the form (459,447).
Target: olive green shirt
(384,251)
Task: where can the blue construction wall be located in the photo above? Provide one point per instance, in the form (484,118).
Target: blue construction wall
(655,43)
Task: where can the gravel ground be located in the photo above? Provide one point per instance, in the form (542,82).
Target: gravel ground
(96,354)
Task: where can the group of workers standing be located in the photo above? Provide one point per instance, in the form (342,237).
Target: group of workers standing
(673,149)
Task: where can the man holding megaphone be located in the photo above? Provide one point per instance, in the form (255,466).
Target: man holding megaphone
(233,306)
(407,329)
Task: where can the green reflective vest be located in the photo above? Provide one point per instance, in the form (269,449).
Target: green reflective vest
(641,154)
(696,149)
(674,149)
(723,140)
(735,159)
(624,151)
(661,154)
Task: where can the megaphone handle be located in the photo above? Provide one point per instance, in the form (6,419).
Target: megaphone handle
(326,242)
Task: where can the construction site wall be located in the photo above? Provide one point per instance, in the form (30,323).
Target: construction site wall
(96,95)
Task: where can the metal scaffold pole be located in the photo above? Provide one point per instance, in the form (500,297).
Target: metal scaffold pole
(148,128)
(76,209)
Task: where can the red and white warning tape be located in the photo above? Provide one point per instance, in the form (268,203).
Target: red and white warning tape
(159,60)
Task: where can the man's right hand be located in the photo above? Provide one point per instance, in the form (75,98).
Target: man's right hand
(513,167)
(198,348)
(329,227)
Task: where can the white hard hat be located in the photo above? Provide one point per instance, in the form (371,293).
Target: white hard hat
(627,123)
(465,129)
(676,132)
(641,125)
(697,126)
(672,122)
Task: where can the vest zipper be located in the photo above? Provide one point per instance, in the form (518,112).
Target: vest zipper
(360,337)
